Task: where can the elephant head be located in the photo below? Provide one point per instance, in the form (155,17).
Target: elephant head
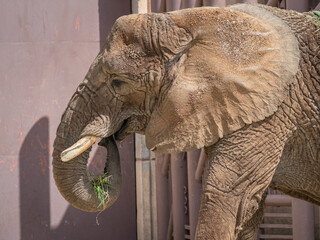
(184,79)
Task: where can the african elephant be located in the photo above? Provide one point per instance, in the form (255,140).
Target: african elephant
(241,81)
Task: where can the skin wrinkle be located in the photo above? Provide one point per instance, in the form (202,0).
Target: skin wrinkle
(249,156)
(227,208)
(267,173)
(244,209)
(305,99)
(154,40)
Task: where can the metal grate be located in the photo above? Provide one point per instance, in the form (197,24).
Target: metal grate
(277,220)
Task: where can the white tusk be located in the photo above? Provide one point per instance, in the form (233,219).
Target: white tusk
(78,148)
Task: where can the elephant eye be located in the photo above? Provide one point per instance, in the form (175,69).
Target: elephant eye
(116,83)
(121,87)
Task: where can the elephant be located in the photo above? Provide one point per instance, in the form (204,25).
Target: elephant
(242,81)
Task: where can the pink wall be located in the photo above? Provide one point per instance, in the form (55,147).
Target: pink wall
(46,47)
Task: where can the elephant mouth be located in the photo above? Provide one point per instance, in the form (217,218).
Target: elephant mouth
(133,124)
(87,141)
(123,131)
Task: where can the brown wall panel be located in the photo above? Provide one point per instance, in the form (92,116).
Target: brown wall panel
(46,48)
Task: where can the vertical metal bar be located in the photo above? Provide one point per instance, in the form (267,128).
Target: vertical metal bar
(140,6)
(179,186)
(318,220)
(165,165)
(273,3)
(300,6)
(162,192)
(201,166)
(194,192)
(153,199)
(190,3)
(302,220)
(248,1)
(173,5)
(158,6)
(170,226)
(214,3)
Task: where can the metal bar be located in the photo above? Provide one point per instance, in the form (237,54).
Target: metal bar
(201,166)
(179,188)
(302,220)
(273,3)
(140,6)
(277,215)
(278,200)
(300,6)
(165,165)
(170,226)
(264,236)
(158,6)
(272,225)
(247,1)
(162,192)
(194,192)
(214,3)
(173,5)
(190,3)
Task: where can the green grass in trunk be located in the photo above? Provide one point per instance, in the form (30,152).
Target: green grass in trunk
(316,20)
(101,185)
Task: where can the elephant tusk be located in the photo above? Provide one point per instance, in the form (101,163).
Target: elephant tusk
(78,148)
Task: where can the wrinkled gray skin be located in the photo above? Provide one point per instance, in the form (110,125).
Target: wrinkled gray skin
(131,78)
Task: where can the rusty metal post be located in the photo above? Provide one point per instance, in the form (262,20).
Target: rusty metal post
(214,3)
(162,192)
(179,194)
(302,220)
(300,6)
(194,192)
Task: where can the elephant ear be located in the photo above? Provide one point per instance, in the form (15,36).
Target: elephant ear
(236,70)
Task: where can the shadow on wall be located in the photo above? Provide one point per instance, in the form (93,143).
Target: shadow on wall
(118,222)
(35,198)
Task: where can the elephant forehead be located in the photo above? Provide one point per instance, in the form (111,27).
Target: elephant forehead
(124,58)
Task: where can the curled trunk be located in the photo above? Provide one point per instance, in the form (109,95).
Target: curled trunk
(74,183)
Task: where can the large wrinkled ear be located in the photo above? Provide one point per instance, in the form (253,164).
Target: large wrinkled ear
(237,70)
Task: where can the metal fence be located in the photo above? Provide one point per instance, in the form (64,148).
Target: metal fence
(178,176)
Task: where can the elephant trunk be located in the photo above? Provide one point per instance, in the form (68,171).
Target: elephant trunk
(72,178)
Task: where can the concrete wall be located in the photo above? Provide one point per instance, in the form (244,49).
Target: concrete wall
(46,48)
